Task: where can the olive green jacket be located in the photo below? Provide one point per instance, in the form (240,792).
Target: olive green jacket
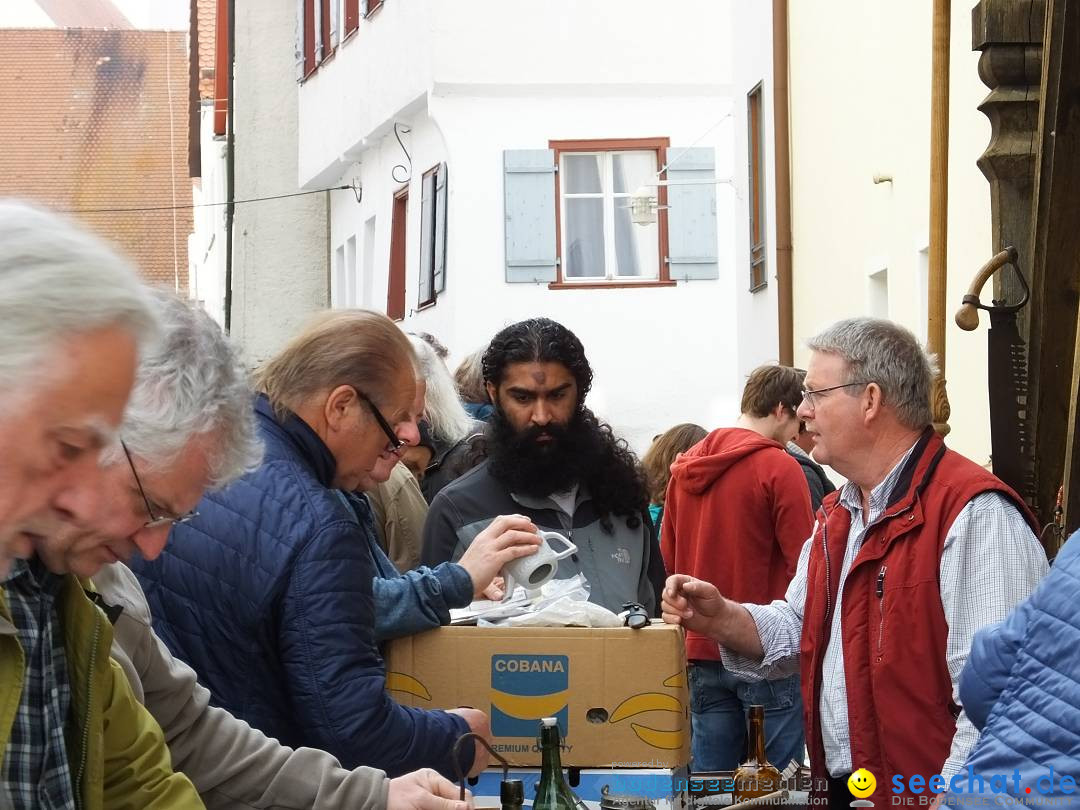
(116,751)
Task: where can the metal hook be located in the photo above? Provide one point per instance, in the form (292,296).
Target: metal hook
(457,759)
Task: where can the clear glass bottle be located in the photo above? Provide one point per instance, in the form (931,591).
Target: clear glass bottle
(757,776)
(552,793)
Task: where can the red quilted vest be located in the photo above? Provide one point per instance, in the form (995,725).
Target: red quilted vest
(900,707)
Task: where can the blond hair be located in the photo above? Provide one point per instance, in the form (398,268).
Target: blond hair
(355,347)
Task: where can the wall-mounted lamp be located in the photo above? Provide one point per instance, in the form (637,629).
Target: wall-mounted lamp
(644,204)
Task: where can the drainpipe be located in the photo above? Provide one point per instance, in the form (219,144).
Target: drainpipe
(230,178)
(939,208)
(782,173)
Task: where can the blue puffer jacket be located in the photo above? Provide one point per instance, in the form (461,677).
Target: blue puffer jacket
(1021,687)
(268,596)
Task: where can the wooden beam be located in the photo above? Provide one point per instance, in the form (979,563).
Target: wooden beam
(1056,240)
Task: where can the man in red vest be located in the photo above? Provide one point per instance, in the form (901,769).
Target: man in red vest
(918,550)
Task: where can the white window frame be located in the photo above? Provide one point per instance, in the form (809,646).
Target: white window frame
(611,199)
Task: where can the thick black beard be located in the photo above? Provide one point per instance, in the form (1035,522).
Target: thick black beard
(538,469)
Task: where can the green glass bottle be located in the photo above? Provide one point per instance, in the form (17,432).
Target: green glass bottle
(552,793)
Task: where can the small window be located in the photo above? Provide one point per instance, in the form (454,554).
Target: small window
(395,288)
(432,235)
(756,143)
(597,241)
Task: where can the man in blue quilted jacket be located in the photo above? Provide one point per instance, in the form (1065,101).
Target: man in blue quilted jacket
(1021,689)
(267,593)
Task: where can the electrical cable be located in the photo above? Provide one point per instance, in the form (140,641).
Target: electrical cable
(201,205)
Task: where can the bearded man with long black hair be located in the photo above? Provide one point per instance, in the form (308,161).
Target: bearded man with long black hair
(550,459)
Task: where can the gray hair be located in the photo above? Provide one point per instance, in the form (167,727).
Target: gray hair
(58,281)
(449,420)
(883,352)
(192,384)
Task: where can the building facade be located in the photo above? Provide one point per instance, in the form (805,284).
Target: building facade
(860,135)
(491,154)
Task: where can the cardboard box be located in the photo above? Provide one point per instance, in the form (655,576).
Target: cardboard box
(620,695)
(665,788)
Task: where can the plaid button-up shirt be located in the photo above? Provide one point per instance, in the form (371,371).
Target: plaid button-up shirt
(36,771)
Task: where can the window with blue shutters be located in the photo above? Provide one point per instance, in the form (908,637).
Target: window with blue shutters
(568,219)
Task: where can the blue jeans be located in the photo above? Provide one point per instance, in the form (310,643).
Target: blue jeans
(719,703)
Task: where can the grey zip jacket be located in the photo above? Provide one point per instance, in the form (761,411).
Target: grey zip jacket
(233,766)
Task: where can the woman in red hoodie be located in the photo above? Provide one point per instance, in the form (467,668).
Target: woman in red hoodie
(737,514)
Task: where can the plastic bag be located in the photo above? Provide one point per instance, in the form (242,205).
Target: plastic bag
(565,612)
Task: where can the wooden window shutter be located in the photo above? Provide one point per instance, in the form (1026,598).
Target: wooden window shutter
(439,275)
(692,245)
(427,232)
(529,213)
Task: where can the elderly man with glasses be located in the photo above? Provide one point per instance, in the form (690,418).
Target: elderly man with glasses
(73,321)
(268,593)
(913,555)
(190,428)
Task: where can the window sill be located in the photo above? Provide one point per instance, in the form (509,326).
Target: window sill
(425,305)
(608,285)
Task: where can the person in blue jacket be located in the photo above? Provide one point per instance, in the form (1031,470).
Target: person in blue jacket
(1021,688)
(267,591)
(421,598)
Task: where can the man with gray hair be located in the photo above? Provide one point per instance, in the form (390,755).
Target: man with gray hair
(190,429)
(919,549)
(72,318)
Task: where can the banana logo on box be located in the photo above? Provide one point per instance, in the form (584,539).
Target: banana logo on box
(406,684)
(644,702)
(525,688)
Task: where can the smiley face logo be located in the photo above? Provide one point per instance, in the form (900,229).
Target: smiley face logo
(861,783)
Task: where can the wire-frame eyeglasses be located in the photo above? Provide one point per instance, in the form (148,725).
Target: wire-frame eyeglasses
(155,521)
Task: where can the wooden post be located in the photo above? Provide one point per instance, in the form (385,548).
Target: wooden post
(1009,37)
(939,208)
(1055,370)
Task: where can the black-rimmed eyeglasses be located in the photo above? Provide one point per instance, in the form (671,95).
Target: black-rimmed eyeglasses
(395,443)
(155,521)
(808,394)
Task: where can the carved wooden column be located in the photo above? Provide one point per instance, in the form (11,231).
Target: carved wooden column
(1009,34)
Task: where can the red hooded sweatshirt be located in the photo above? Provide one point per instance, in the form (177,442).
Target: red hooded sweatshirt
(736,514)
